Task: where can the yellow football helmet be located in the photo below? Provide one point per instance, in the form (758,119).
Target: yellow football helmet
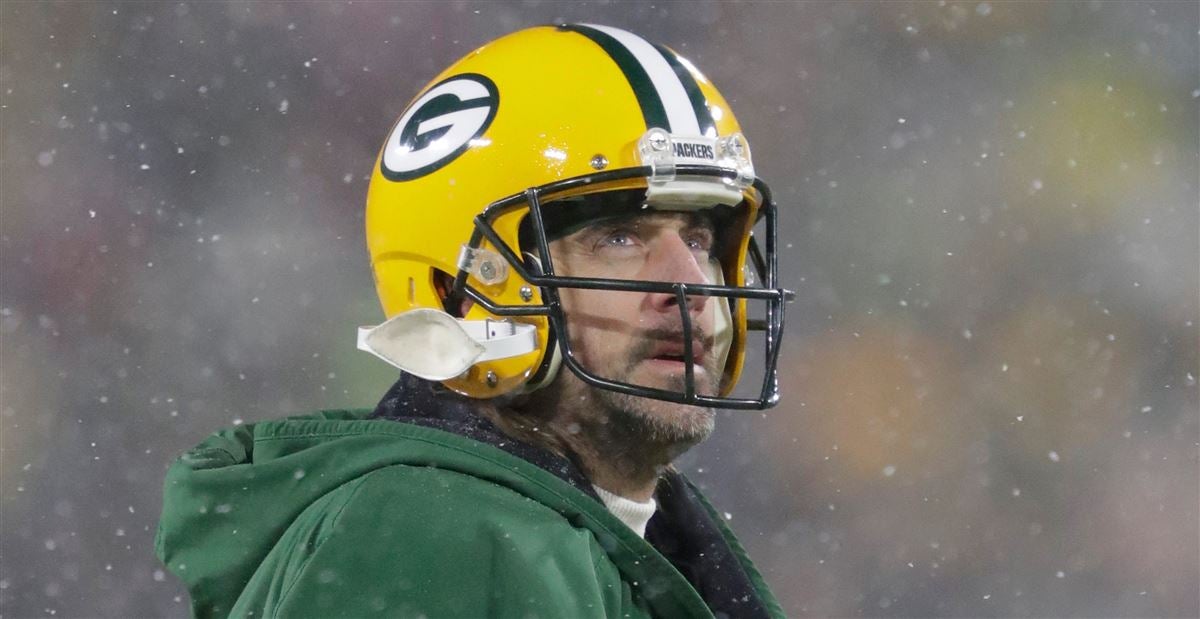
(501,143)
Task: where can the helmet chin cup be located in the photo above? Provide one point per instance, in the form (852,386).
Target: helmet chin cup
(434,345)
(422,342)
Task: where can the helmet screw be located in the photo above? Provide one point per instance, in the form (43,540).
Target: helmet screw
(487,270)
(599,162)
(491,379)
(526,293)
(658,140)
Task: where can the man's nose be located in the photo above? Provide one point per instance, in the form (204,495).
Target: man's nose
(672,260)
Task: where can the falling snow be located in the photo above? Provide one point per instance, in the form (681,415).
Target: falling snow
(987,212)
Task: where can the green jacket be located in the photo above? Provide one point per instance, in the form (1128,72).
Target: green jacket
(337,514)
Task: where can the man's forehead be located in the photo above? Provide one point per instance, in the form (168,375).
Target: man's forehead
(655,218)
(564,217)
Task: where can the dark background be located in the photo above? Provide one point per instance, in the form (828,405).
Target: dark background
(990,215)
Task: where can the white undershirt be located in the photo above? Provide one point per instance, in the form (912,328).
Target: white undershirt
(634,514)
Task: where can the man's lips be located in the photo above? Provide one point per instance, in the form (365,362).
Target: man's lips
(674,351)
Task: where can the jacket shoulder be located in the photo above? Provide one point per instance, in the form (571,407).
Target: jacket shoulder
(416,540)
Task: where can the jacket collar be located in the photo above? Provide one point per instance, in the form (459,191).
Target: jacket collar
(684,530)
(421,402)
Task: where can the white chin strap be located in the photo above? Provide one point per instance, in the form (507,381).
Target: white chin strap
(434,345)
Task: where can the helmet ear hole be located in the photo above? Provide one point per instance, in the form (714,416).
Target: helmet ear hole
(453,304)
(525,239)
(533,263)
(528,246)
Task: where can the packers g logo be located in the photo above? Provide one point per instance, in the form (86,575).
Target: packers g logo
(439,126)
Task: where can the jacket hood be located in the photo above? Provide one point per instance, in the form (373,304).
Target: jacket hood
(229,499)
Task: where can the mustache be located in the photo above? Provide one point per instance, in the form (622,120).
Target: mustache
(650,338)
(653,338)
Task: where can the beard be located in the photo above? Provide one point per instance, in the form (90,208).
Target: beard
(658,421)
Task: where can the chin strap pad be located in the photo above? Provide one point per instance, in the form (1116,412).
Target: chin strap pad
(434,345)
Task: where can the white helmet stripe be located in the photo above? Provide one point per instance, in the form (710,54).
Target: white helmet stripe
(670,90)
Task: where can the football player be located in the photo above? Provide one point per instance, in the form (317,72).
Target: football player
(562,227)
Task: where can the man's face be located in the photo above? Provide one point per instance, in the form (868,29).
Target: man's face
(637,337)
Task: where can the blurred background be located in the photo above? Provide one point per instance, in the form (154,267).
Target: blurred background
(990,214)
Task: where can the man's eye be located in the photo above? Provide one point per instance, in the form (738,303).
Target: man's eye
(700,242)
(619,238)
